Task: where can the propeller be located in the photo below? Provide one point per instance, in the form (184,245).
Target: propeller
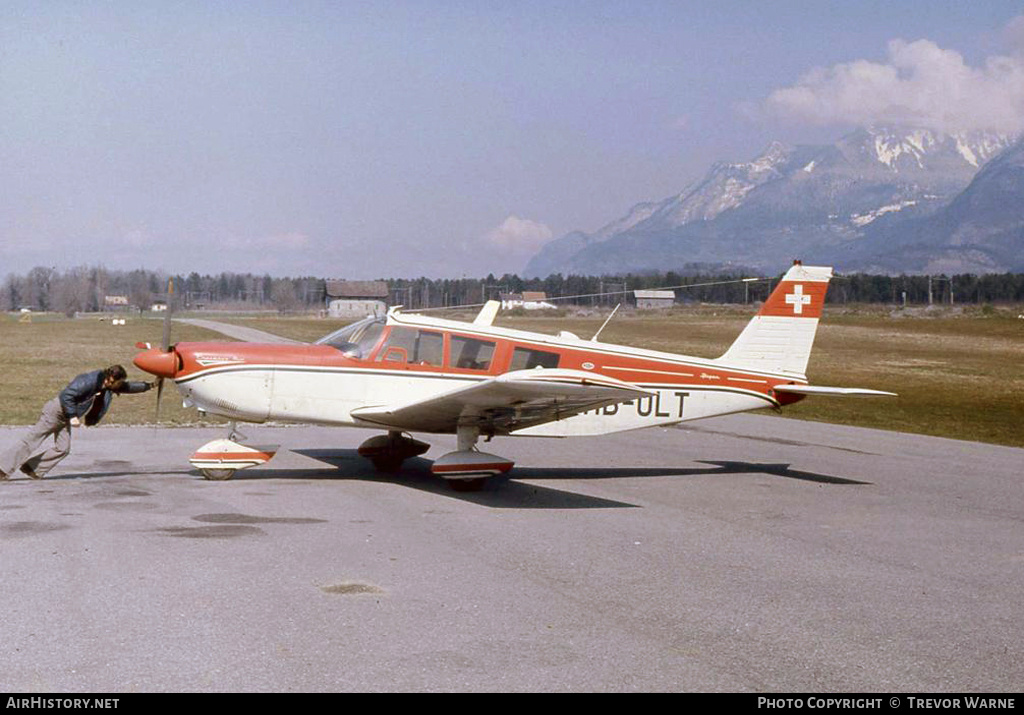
(165,343)
(162,362)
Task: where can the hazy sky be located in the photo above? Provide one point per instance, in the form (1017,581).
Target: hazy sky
(440,137)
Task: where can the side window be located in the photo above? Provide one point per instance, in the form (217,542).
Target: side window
(430,348)
(414,347)
(527,359)
(471,353)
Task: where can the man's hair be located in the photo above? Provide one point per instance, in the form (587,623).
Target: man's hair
(115,373)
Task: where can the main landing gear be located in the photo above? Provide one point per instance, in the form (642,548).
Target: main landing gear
(466,469)
(388,451)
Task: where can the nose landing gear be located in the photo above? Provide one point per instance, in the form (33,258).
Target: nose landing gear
(220,459)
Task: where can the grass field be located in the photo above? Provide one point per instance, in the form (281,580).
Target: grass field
(39,358)
(958,374)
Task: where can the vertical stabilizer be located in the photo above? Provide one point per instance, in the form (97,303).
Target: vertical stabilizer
(780,336)
(487,313)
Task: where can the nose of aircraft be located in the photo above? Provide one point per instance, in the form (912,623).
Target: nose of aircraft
(157,362)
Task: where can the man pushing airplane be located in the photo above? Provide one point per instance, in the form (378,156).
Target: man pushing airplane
(84,401)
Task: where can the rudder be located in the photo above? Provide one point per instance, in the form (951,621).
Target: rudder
(779,338)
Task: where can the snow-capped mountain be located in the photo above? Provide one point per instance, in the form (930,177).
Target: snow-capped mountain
(980,231)
(808,200)
(918,148)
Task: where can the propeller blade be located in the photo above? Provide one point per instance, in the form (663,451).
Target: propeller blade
(166,344)
(159,394)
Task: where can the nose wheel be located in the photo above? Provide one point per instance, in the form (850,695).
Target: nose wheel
(219,460)
(218,475)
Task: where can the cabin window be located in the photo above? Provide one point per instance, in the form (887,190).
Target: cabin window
(527,359)
(413,347)
(470,353)
(431,348)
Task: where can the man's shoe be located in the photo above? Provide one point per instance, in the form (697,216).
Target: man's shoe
(30,473)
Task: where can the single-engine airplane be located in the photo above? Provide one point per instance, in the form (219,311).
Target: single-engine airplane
(407,372)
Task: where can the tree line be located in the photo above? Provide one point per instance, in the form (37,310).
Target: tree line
(86,289)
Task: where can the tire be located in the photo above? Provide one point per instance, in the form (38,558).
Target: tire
(218,475)
(468,485)
(388,465)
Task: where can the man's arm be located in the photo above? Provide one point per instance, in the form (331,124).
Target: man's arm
(132,388)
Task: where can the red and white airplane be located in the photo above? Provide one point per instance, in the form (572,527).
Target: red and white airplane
(414,373)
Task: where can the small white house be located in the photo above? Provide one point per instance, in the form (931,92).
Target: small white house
(355,308)
(527,300)
(654,299)
(356,299)
(115,302)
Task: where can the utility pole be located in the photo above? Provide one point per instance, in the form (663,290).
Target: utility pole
(746,289)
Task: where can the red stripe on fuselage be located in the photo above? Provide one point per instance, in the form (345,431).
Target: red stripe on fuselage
(199,358)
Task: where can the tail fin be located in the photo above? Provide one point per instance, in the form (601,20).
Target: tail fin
(779,337)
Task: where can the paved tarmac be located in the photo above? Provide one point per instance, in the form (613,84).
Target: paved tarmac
(746,553)
(238,332)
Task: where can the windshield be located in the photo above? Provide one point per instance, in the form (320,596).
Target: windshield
(356,340)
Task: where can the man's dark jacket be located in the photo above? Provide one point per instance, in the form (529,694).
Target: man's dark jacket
(87,399)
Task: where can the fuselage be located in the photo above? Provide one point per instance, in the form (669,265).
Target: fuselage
(412,357)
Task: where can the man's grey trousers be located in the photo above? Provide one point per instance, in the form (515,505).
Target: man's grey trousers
(32,452)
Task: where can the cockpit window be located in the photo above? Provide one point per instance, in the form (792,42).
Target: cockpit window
(356,340)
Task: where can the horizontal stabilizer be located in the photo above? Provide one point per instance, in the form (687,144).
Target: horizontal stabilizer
(836,391)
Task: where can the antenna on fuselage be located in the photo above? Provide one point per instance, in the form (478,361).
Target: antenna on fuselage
(606,321)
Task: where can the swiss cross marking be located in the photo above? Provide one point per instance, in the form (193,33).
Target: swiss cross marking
(797,299)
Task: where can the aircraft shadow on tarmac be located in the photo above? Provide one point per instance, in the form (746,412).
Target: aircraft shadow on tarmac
(499,492)
(120,473)
(510,492)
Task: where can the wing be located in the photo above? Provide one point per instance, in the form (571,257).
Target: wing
(506,403)
(836,391)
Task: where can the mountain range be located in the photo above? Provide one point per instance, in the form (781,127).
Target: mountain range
(881,199)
